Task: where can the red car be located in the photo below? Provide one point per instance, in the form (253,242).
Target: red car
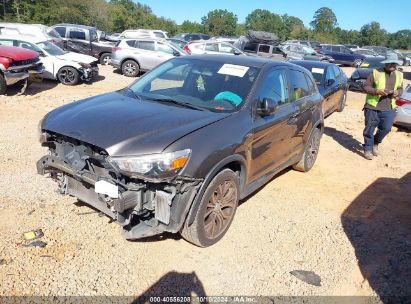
(17,65)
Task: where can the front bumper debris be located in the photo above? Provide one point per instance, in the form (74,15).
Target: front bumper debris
(140,207)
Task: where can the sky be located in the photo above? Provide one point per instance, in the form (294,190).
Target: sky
(351,14)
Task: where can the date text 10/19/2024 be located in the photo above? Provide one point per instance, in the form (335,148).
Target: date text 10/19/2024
(204,299)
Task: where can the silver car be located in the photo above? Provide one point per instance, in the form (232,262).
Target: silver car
(212,47)
(134,55)
(403,117)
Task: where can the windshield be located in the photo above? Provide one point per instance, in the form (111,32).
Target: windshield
(51,48)
(204,84)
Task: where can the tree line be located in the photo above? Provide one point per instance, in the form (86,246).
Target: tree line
(118,15)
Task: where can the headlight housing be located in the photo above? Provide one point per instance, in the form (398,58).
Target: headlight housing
(154,166)
(40,133)
(85,65)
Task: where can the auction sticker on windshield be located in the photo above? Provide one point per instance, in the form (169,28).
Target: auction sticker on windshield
(317,71)
(233,70)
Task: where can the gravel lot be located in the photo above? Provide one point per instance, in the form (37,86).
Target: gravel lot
(348,220)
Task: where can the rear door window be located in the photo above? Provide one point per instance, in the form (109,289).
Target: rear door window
(336,49)
(299,85)
(264,48)
(251,47)
(145,45)
(77,34)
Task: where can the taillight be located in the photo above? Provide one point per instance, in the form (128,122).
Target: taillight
(116,49)
(187,48)
(5,62)
(401,101)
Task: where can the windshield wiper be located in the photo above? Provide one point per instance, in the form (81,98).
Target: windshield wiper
(179,103)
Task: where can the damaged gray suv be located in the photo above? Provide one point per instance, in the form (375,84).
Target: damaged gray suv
(177,149)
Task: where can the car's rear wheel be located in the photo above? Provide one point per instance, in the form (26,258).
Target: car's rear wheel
(215,212)
(68,76)
(3,85)
(357,63)
(310,152)
(105,59)
(342,102)
(130,68)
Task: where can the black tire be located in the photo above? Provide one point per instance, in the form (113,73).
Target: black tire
(105,59)
(213,217)
(342,102)
(68,76)
(130,68)
(357,63)
(3,85)
(310,152)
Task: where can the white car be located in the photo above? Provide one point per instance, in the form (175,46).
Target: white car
(211,47)
(142,33)
(403,117)
(67,67)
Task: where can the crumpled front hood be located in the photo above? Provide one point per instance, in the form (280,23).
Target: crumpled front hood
(126,126)
(76,57)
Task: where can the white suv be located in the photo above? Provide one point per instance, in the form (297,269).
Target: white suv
(39,31)
(142,33)
(67,67)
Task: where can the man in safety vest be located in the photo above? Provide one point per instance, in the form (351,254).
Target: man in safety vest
(382,87)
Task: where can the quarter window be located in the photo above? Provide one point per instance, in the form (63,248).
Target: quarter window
(337,71)
(61,30)
(299,85)
(275,87)
(330,74)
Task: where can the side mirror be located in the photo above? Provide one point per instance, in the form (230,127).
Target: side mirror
(237,53)
(267,107)
(41,54)
(175,53)
(400,69)
(330,82)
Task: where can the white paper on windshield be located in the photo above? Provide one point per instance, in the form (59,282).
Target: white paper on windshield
(106,188)
(317,71)
(233,70)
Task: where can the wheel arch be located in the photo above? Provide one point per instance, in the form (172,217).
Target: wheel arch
(130,58)
(236,163)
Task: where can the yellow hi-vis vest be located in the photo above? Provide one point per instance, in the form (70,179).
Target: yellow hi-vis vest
(379,83)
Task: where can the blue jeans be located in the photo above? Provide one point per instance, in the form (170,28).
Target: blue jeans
(383,120)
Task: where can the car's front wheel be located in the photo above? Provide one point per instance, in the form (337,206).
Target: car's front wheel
(130,68)
(310,152)
(68,76)
(215,212)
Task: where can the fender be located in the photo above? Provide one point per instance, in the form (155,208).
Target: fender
(213,172)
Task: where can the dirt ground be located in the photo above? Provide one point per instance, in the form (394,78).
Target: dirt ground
(348,220)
